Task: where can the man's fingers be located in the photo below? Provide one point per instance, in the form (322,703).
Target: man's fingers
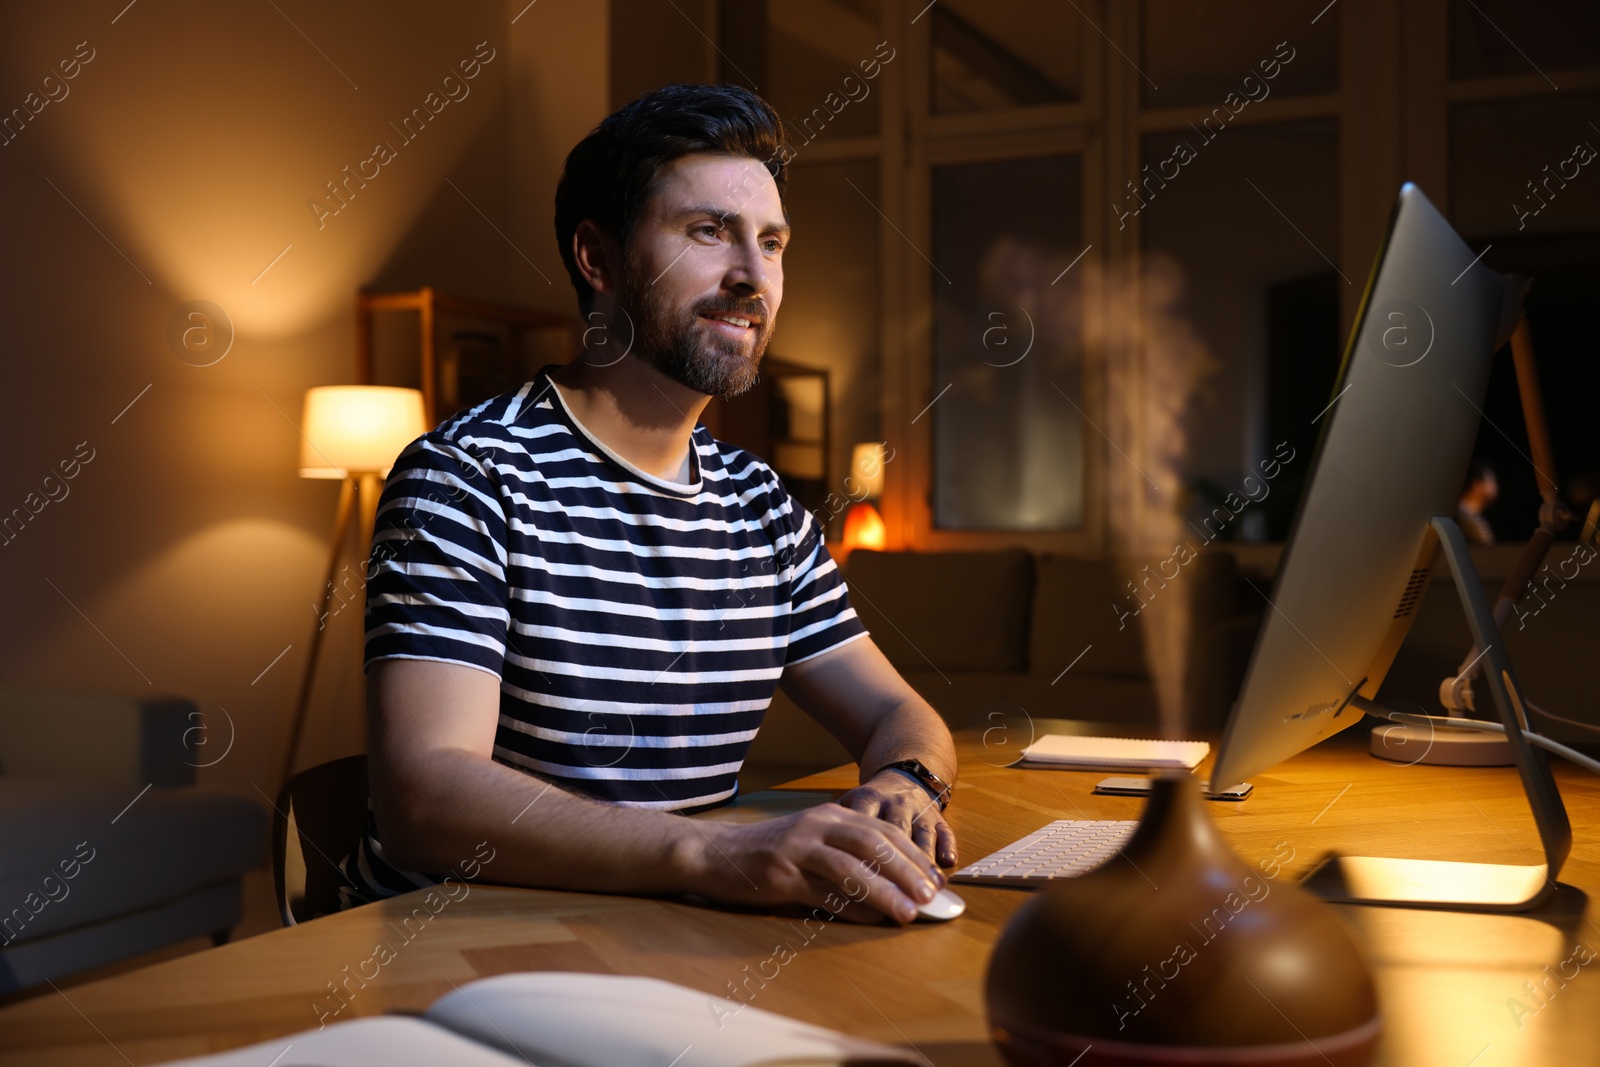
(899,836)
(901,814)
(861,866)
(860,884)
(945,851)
(901,862)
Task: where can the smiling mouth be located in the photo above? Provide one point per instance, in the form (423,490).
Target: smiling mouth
(733,320)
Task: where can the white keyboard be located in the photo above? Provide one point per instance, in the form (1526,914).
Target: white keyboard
(1065,848)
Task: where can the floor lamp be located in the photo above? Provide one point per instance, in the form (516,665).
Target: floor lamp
(353,433)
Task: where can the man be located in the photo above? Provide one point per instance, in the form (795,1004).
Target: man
(1479,491)
(580,604)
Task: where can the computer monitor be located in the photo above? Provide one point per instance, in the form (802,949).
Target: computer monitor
(1393,446)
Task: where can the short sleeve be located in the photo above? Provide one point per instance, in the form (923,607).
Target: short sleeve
(820,615)
(436,579)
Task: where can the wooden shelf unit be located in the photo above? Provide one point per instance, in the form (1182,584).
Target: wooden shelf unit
(429,303)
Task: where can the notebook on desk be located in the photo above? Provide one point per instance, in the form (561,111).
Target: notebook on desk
(573,1019)
(1070,752)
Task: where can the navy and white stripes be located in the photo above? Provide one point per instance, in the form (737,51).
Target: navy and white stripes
(638,626)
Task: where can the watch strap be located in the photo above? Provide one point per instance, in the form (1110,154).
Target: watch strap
(936,787)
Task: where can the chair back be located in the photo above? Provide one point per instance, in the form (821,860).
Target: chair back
(320,817)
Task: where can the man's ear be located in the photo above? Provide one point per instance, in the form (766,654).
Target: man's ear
(598,257)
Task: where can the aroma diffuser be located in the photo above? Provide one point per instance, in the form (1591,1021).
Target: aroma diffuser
(1175,952)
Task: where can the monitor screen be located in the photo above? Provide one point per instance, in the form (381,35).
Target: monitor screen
(1394,443)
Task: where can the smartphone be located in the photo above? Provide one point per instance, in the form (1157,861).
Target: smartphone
(1138,787)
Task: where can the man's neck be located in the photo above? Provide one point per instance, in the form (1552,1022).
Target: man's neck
(637,412)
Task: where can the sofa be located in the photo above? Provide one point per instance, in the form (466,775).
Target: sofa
(999,638)
(109,848)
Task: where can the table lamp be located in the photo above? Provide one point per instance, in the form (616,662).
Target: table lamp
(353,433)
(863,526)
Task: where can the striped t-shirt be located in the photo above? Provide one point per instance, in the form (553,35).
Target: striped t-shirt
(638,626)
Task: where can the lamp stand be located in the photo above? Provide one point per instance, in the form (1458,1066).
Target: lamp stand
(368,485)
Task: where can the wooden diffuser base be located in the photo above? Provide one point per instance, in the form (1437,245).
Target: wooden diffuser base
(1176,952)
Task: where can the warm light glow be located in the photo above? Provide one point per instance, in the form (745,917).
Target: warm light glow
(356,429)
(219,206)
(866,468)
(863,528)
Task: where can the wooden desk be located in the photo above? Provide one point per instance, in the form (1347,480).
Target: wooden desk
(1446,980)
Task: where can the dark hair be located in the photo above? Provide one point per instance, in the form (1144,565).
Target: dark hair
(612,172)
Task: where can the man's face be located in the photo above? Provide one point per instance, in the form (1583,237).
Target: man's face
(703,272)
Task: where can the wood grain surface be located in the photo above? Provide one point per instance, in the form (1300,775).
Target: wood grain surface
(1452,986)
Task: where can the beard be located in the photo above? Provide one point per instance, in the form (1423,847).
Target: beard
(672,340)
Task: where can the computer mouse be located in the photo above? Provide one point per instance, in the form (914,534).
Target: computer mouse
(944,906)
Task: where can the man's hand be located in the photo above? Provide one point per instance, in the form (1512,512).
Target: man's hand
(859,698)
(898,799)
(855,865)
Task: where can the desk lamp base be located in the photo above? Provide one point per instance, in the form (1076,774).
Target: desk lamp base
(1441,746)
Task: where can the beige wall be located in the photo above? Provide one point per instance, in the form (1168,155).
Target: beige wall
(559,90)
(656,44)
(178,164)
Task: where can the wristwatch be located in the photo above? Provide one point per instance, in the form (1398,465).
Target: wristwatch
(937,787)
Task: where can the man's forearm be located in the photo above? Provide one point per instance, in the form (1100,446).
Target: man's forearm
(913,730)
(542,836)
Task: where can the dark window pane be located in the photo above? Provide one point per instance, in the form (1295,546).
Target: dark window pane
(1239,242)
(1489,37)
(1520,190)
(824,67)
(1198,53)
(1008,440)
(1517,166)
(993,54)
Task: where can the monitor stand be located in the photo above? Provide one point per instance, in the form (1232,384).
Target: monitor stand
(1464,886)
(1454,747)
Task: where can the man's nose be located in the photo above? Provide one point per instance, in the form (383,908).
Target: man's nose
(748,274)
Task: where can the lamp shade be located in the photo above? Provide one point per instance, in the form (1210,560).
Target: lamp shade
(864,528)
(866,467)
(357,429)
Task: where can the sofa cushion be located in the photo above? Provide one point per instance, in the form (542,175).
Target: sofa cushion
(1085,604)
(959,611)
(123,739)
(80,852)
(1097,604)
(32,961)
(1004,704)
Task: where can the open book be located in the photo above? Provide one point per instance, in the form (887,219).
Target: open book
(1072,752)
(568,1019)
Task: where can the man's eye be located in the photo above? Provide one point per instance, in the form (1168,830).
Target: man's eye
(774,245)
(708,229)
